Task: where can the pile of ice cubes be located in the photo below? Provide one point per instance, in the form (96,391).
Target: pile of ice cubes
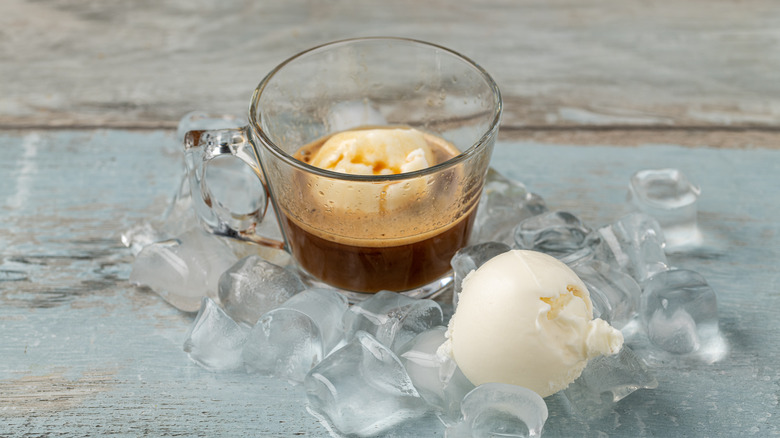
(368,367)
(365,368)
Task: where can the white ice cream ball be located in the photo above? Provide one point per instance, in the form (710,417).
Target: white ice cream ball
(525,318)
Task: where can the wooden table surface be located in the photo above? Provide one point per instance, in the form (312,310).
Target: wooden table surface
(91,93)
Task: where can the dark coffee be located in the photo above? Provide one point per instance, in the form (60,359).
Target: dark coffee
(367,237)
(367,268)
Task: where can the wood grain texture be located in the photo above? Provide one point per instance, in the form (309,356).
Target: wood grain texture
(700,63)
(86,354)
(593,92)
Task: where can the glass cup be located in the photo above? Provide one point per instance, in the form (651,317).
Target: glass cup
(359,233)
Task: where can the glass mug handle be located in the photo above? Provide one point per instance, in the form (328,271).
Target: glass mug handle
(202,146)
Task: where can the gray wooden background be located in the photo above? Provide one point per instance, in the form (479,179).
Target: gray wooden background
(698,65)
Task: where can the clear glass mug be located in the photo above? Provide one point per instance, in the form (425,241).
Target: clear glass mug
(359,233)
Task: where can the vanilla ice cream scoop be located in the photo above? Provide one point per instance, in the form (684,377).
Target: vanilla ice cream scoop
(379,151)
(526,319)
(375,152)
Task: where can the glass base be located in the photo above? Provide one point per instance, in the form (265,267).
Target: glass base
(432,290)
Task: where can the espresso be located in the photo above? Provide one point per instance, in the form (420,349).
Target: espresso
(366,268)
(368,237)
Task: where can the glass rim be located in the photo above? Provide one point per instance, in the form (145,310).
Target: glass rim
(454,161)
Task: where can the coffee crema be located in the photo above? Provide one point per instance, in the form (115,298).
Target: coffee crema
(371,236)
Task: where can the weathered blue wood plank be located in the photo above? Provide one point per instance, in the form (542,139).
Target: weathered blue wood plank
(83,353)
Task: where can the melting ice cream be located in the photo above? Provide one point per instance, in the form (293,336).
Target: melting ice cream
(375,152)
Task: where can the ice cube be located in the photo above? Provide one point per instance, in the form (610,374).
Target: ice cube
(499,409)
(679,310)
(607,380)
(214,341)
(179,216)
(438,379)
(362,389)
(253,286)
(470,258)
(326,308)
(392,318)
(177,219)
(635,244)
(615,294)
(668,196)
(183,270)
(141,235)
(289,340)
(504,203)
(675,333)
(557,233)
